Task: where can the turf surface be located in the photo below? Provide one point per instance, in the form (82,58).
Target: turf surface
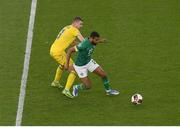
(14,17)
(142,56)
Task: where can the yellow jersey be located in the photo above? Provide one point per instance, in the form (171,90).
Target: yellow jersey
(65,37)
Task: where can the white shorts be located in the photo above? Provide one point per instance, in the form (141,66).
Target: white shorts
(82,71)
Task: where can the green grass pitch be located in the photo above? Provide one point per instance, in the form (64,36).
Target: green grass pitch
(142,55)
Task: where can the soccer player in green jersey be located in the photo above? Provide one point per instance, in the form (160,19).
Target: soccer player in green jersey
(85,63)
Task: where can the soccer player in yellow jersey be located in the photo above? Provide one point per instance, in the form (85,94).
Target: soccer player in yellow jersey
(64,39)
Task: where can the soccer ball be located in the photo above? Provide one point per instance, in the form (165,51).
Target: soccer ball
(136,99)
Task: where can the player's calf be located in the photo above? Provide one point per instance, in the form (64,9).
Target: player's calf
(100,72)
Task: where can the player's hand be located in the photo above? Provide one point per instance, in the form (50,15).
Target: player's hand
(102,40)
(66,66)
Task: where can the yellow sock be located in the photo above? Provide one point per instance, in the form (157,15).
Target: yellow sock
(58,73)
(70,80)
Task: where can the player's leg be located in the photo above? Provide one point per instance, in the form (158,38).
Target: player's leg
(70,81)
(95,68)
(57,78)
(71,77)
(101,73)
(60,59)
(82,73)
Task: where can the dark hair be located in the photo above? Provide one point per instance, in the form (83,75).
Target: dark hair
(94,34)
(77,18)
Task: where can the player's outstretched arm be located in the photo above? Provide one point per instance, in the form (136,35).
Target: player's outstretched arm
(102,40)
(68,56)
(80,37)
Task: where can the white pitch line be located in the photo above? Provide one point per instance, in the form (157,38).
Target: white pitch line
(26,64)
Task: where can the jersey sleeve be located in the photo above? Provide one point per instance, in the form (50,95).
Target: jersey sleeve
(75,32)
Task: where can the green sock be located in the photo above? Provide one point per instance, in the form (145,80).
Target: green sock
(81,87)
(106,83)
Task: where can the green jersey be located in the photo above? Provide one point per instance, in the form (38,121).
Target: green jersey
(85,50)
